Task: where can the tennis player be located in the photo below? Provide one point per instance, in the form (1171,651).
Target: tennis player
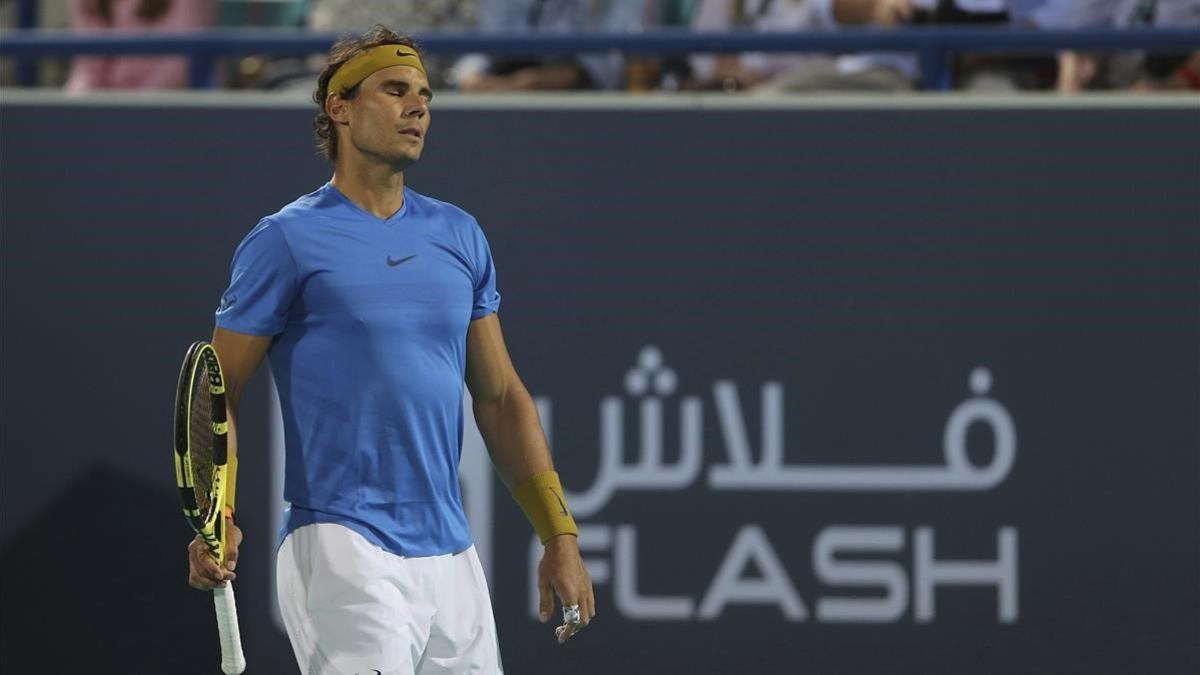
(374,304)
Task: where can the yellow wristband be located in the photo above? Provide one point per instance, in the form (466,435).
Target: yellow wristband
(541,498)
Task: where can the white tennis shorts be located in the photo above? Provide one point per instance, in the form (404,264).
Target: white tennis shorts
(351,608)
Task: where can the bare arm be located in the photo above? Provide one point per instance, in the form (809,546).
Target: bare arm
(504,410)
(240,355)
(508,421)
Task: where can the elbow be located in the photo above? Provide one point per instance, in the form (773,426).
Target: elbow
(501,397)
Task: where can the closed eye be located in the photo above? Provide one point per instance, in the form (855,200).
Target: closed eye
(396,88)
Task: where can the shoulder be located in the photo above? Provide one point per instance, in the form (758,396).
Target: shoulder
(449,214)
(275,232)
(314,203)
(286,225)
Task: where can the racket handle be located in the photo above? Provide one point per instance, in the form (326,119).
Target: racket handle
(233,662)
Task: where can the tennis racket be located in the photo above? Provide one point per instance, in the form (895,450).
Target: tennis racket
(203,473)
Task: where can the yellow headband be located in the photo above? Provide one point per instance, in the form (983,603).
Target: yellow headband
(359,68)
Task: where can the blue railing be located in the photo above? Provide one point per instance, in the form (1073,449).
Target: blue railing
(935,46)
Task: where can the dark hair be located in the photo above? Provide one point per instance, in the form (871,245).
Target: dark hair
(341,52)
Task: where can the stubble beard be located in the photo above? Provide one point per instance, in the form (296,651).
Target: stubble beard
(397,158)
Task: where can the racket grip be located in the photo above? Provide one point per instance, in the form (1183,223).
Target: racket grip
(233,662)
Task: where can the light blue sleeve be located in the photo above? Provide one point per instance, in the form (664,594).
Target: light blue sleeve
(487,298)
(263,283)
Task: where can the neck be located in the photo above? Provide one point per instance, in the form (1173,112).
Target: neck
(377,189)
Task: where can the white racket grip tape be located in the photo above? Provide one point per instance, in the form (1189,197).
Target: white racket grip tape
(233,662)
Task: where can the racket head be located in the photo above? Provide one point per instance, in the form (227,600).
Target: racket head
(201,443)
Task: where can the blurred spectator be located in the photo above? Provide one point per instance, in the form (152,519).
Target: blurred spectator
(1140,71)
(262,13)
(263,70)
(346,16)
(48,15)
(802,72)
(408,16)
(477,72)
(998,71)
(860,72)
(148,16)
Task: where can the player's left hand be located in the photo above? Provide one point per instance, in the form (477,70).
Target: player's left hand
(561,572)
(203,572)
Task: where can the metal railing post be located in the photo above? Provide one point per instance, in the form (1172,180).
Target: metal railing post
(936,64)
(27,18)
(202,69)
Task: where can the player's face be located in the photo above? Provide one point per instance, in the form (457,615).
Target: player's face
(390,116)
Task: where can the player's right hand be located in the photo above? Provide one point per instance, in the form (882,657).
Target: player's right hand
(203,572)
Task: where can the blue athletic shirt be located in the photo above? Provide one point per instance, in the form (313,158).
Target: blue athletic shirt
(369,318)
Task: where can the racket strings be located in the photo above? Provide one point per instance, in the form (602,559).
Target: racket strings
(202,441)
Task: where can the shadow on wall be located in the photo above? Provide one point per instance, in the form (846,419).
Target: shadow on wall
(97,580)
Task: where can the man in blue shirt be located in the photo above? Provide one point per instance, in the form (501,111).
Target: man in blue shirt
(374,304)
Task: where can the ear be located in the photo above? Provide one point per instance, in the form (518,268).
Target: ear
(337,108)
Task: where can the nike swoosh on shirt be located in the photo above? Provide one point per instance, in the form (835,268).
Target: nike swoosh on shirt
(393,263)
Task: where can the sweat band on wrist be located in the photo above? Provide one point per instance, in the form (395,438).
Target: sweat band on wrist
(541,498)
